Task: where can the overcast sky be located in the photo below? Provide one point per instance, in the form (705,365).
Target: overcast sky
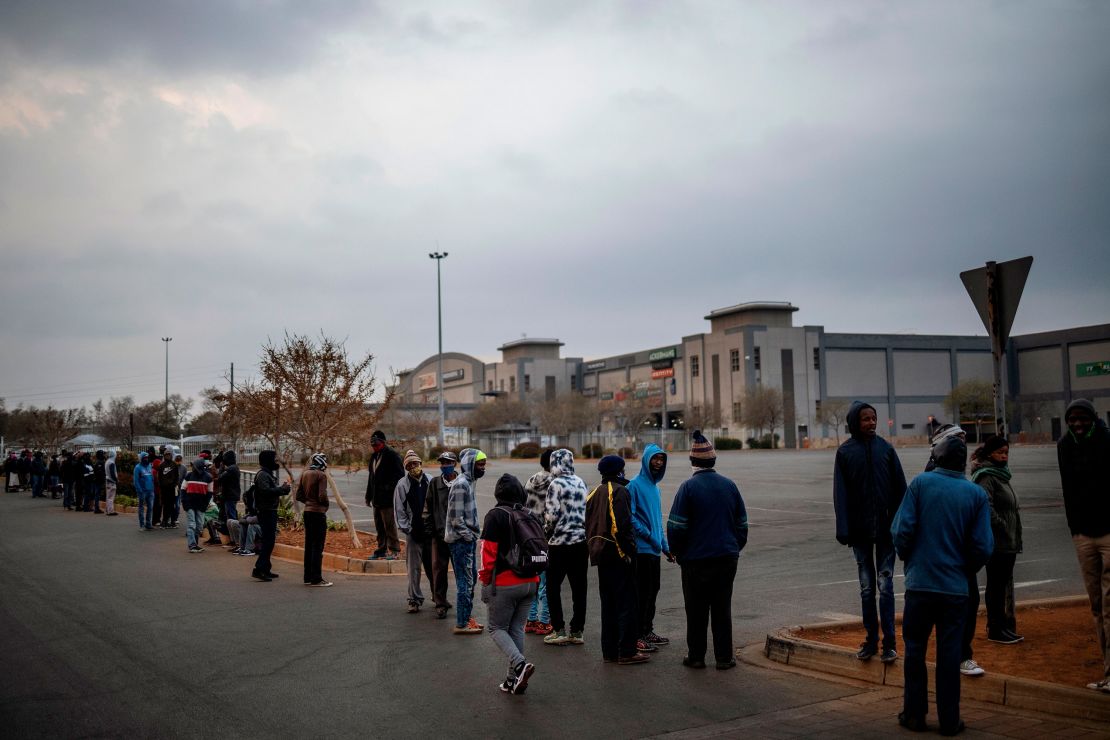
(604,173)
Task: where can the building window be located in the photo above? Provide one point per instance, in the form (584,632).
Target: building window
(908,426)
(816,358)
(755,358)
(734,360)
(512,384)
(574,382)
(736,411)
(527,383)
(695,368)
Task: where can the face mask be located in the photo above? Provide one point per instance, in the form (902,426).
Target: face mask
(416,471)
(376,446)
(447,469)
(479,472)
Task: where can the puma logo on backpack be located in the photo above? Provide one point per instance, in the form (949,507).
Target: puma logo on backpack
(527,554)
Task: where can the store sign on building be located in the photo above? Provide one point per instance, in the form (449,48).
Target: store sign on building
(425,381)
(596,365)
(454,375)
(606,396)
(662,364)
(665,373)
(663,354)
(1090,369)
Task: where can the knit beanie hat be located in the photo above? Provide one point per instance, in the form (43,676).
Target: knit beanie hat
(946,431)
(319,461)
(610,465)
(701,452)
(991,446)
(377,436)
(411,457)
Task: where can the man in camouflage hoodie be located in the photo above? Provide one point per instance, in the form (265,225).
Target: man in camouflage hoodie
(565,524)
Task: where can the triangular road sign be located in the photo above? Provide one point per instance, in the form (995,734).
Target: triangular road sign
(1009,282)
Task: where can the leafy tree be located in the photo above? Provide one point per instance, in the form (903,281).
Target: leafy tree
(310,396)
(972,400)
(835,414)
(762,409)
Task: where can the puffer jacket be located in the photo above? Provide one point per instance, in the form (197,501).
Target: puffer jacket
(1005,514)
(868,485)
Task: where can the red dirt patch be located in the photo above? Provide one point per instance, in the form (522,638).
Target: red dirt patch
(1059,646)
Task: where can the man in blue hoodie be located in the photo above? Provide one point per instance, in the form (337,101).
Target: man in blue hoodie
(868,485)
(143,478)
(942,530)
(651,540)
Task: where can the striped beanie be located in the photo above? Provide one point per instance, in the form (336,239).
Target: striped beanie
(701,452)
(411,457)
(319,461)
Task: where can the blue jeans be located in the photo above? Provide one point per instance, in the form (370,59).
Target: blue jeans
(146,502)
(67,494)
(924,611)
(466,574)
(36,485)
(539,611)
(231,510)
(196,526)
(876,563)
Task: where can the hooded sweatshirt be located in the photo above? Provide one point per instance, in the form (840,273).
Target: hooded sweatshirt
(267,492)
(497,534)
(198,486)
(868,485)
(1085,475)
(230,488)
(565,508)
(312,490)
(110,471)
(647,513)
(143,475)
(535,491)
(462,504)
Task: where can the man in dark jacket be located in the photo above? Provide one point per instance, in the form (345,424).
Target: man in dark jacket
(267,493)
(611,542)
(707,528)
(168,482)
(385,470)
(435,524)
(868,486)
(230,489)
(1084,457)
(38,475)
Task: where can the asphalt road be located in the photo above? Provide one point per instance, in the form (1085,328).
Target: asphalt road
(108,631)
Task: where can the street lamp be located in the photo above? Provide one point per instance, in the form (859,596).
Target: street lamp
(438,257)
(167,341)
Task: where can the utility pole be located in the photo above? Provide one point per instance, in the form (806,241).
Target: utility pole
(439,257)
(167,341)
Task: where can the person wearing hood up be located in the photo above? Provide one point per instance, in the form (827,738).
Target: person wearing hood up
(100,478)
(38,475)
(707,529)
(461,534)
(435,526)
(312,491)
(941,530)
(143,478)
(111,480)
(386,469)
(409,497)
(169,480)
(565,525)
(230,487)
(535,491)
(267,495)
(611,542)
(990,469)
(506,593)
(651,540)
(868,485)
(198,492)
(1083,455)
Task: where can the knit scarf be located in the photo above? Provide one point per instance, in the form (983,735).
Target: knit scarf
(1000,471)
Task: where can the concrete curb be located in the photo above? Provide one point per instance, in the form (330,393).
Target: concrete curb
(783,646)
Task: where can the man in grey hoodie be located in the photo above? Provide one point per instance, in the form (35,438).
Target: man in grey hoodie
(461,534)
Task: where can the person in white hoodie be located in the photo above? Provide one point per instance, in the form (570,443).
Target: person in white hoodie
(565,525)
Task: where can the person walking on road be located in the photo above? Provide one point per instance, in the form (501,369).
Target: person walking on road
(267,494)
(707,528)
(143,479)
(461,533)
(990,469)
(868,485)
(385,470)
(611,542)
(435,525)
(941,531)
(409,497)
(651,541)
(535,491)
(1084,458)
(565,525)
(507,594)
(312,491)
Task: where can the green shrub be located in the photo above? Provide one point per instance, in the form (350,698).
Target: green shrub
(592,450)
(126,500)
(125,469)
(525,450)
(728,443)
(336,526)
(627,453)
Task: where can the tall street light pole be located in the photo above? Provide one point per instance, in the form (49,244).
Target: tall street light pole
(439,257)
(167,341)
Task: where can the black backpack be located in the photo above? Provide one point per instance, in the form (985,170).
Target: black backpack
(527,553)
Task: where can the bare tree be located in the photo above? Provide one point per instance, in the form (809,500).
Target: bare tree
(113,421)
(45,428)
(834,413)
(973,400)
(630,412)
(497,413)
(702,417)
(762,409)
(563,415)
(310,396)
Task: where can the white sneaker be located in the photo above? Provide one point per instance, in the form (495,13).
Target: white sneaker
(1103,686)
(971,668)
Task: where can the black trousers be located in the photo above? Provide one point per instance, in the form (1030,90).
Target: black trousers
(707,592)
(647,589)
(315,532)
(620,625)
(168,497)
(436,557)
(970,617)
(1000,593)
(570,562)
(267,524)
(924,611)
